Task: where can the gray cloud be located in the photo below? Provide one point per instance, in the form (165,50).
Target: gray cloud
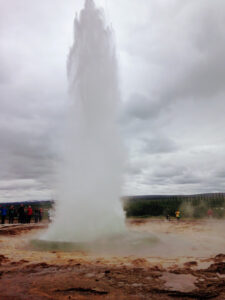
(141,108)
(159,144)
(172,64)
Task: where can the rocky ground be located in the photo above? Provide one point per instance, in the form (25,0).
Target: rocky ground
(188,262)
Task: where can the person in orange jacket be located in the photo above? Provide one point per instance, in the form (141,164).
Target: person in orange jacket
(177,214)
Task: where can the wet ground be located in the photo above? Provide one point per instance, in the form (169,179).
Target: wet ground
(186,260)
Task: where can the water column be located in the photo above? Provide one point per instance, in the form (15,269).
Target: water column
(88,191)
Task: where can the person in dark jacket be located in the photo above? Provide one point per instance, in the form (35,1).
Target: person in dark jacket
(11,214)
(3,214)
(40,214)
(21,216)
(25,214)
(36,214)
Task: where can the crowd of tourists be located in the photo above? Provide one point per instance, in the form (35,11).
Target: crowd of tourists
(24,214)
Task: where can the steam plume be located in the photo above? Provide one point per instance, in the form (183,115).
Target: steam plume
(88,205)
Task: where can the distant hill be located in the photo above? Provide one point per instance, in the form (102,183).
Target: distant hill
(172,197)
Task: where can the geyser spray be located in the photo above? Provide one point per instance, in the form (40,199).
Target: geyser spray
(88,205)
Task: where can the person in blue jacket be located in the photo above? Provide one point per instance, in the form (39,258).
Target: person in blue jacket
(3,214)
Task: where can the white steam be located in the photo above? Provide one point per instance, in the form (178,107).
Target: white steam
(88,205)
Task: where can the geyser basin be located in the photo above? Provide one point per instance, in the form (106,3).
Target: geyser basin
(131,243)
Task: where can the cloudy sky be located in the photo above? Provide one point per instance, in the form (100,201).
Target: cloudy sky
(172,72)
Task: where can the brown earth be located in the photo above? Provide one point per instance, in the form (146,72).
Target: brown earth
(195,270)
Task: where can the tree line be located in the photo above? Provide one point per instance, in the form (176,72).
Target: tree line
(161,205)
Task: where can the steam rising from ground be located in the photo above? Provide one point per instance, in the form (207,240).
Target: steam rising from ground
(88,205)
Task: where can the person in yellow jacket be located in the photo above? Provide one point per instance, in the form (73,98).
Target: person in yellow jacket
(177,214)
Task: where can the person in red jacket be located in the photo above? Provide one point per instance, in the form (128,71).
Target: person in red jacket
(210,213)
(29,214)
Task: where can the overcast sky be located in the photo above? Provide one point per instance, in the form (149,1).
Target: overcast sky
(172,71)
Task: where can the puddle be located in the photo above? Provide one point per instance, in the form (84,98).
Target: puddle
(179,282)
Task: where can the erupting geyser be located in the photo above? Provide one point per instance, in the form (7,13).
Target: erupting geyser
(88,205)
